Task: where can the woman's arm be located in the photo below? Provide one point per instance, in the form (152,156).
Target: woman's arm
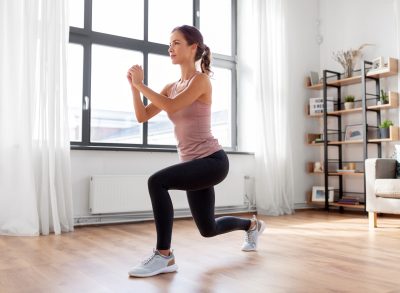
(144,113)
(198,86)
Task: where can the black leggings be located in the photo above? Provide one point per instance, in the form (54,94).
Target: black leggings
(198,178)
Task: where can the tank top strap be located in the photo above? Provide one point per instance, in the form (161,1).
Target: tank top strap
(173,92)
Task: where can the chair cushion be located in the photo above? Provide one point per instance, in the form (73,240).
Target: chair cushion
(388,188)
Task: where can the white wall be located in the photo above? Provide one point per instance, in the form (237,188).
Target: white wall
(303,52)
(347,24)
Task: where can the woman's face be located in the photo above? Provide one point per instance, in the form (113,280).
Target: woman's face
(179,50)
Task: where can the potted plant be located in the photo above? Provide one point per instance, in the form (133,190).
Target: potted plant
(384,128)
(383,98)
(349,102)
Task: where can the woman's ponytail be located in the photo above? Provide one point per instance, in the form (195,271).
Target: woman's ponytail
(206,60)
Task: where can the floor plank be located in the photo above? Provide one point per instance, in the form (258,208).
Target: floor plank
(310,251)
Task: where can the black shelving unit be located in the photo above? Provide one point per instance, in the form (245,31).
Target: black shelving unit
(328,76)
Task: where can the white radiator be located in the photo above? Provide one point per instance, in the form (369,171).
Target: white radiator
(129,193)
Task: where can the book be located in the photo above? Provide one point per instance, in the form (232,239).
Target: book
(348,199)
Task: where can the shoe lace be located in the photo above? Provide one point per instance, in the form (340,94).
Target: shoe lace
(250,236)
(147,260)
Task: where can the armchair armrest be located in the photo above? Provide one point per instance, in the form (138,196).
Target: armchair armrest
(377,169)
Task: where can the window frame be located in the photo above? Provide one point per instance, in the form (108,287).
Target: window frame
(86,38)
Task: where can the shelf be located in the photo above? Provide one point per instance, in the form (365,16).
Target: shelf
(311,137)
(339,82)
(393,102)
(352,206)
(341,112)
(310,170)
(335,204)
(346,174)
(316,203)
(393,135)
(345,142)
(391,70)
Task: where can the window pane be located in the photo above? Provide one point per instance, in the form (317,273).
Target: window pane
(221,105)
(112,116)
(161,72)
(74,89)
(217,35)
(76,12)
(166,15)
(119,17)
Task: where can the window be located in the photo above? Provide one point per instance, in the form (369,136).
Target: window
(119,17)
(221,105)
(217,36)
(75,67)
(107,37)
(160,128)
(112,119)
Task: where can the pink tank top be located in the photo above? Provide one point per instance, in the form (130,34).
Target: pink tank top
(193,129)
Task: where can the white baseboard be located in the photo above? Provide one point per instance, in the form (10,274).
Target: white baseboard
(146,216)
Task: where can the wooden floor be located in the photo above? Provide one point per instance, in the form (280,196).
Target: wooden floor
(310,251)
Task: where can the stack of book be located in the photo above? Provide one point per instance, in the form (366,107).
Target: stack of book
(350,200)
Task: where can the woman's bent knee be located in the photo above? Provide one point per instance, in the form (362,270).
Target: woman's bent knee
(207,233)
(154,181)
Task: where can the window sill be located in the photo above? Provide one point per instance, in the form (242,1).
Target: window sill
(141,149)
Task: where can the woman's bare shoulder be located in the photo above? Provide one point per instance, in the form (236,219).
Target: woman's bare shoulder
(202,78)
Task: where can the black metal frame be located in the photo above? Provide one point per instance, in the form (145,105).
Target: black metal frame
(338,131)
(365,110)
(86,37)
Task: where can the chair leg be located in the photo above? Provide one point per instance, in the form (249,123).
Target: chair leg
(372,219)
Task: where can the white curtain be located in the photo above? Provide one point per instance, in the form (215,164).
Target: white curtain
(274,172)
(35,179)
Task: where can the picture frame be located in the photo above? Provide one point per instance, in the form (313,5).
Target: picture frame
(377,63)
(314,78)
(354,132)
(318,194)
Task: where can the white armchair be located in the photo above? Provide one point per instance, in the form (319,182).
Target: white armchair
(382,188)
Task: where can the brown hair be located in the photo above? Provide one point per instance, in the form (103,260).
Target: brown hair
(193,36)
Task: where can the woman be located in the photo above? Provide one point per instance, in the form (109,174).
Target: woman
(203,161)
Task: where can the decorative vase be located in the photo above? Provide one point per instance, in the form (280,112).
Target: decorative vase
(348,105)
(348,70)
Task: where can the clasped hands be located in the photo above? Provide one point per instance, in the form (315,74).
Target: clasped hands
(135,75)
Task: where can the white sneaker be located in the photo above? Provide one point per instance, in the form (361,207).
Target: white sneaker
(154,265)
(251,238)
